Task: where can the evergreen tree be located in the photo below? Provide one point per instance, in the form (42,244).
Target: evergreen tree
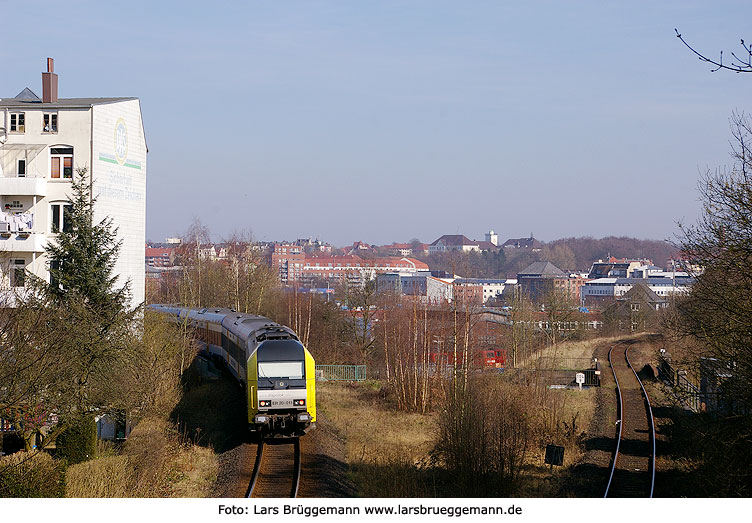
(82,258)
(68,338)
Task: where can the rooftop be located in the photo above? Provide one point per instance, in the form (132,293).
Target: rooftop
(28,99)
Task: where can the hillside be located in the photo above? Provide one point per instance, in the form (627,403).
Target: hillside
(569,254)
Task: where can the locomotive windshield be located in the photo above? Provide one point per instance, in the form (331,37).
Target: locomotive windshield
(281,369)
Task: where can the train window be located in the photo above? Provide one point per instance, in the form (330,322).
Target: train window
(281,369)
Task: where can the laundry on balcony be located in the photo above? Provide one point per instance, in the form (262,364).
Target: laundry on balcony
(21,222)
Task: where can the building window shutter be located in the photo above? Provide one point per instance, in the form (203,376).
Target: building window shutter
(55,168)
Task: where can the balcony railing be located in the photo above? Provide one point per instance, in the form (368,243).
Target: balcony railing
(23,186)
(17,234)
(11,222)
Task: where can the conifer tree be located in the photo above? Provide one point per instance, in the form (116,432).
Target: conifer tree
(82,257)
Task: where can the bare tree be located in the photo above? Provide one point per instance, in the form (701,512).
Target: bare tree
(718,311)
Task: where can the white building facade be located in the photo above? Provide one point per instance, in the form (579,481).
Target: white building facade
(42,144)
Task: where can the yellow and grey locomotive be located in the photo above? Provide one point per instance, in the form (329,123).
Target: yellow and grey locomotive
(276,369)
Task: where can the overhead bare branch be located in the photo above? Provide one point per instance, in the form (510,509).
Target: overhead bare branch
(738,65)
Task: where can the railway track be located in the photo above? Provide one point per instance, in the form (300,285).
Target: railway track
(633,464)
(276,472)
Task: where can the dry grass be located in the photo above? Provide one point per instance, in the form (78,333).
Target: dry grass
(392,453)
(31,475)
(386,450)
(568,349)
(370,424)
(155,462)
(389,452)
(193,472)
(109,477)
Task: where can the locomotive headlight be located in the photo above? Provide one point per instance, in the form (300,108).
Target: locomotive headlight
(299,403)
(265,403)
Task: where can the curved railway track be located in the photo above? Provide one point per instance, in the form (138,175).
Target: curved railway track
(276,472)
(633,464)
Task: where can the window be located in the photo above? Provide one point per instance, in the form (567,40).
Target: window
(17,122)
(21,168)
(61,162)
(18,273)
(635,306)
(283,369)
(61,217)
(49,123)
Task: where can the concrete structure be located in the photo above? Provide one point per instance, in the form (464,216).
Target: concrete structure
(42,143)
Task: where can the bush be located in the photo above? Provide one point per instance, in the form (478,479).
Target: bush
(78,442)
(31,475)
(486,435)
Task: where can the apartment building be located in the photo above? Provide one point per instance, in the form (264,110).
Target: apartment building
(159,256)
(288,260)
(43,141)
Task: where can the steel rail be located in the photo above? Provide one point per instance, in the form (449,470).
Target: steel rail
(296,470)
(295,473)
(619,421)
(652,421)
(256,468)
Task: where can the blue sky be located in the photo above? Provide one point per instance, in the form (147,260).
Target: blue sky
(384,121)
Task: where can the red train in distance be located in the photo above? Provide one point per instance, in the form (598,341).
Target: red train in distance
(489,358)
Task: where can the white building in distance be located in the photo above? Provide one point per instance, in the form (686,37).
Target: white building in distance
(42,143)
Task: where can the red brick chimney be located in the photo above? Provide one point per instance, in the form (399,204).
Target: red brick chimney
(49,83)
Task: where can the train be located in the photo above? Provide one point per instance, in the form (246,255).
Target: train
(489,358)
(268,360)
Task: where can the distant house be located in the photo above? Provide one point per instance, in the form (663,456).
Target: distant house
(460,242)
(636,310)
(359,248)
(523,243)
(406,249)
(207,252)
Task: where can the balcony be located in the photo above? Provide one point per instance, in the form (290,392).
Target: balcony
(27,186)
(17,234)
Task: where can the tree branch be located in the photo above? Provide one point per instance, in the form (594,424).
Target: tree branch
(740,66)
